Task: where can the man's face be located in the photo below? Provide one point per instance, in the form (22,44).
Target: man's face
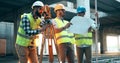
(81,14)
(38,11)
(61,12)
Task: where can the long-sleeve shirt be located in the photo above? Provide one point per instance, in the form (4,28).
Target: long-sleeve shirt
(27,28)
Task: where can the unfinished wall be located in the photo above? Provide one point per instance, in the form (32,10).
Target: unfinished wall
(13,17)
(103,33)
(7,33)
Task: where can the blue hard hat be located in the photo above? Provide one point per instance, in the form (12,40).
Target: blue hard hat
(81,9)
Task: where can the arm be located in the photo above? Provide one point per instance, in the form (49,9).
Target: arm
(57,30)
(27,28)
(93,25)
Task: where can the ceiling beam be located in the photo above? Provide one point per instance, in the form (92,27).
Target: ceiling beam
(111,24)
(108,7)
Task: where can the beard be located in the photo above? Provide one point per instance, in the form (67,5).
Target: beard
(62,14)
(37,13)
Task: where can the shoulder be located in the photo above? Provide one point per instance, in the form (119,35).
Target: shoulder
(24,15)
(66,20)
(90,19)
(53,21)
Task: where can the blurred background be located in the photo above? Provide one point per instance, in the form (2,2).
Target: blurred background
(108,33)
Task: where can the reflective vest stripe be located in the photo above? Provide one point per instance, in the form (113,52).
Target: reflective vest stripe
(77,38)
(71,36)
(83,40)
(23,39)
(21,26)
(22,35)
(63,36)
(27,37)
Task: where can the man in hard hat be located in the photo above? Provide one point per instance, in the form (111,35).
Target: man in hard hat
(64,39)
(84,41)
(28,29)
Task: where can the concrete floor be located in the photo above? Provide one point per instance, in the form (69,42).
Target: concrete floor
(8,59)
(101,59)
(12,59)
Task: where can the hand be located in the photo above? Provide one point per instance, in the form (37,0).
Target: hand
(96,14)
(68,25)
(90,29)
(35,37)
(43,28)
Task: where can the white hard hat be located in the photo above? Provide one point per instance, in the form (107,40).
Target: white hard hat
(37,3)
(59,6)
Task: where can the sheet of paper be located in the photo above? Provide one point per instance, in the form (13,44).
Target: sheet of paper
(80,25)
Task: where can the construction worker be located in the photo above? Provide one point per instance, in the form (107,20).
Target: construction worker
(84,41)
(28,29)
(63,37)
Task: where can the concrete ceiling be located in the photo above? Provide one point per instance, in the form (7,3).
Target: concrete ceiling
(111,7)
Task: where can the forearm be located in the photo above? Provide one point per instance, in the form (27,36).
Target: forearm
(58,30)
(26,26)
(32,32)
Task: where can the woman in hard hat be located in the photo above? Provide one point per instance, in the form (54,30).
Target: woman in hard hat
(28,29)
(63,37)
(84,41)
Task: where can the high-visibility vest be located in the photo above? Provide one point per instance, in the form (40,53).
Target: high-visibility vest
(72,37)
(22,39)
(64,36)
(84,40)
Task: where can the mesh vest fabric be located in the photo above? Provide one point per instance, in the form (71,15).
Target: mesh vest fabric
(63,36)
(26,41)
(83,40)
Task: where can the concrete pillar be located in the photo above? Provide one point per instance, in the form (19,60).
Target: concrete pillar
(104,39)
(16,23)
(86,4)
(101,34)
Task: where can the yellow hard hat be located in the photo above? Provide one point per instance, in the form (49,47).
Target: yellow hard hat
(59,6)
